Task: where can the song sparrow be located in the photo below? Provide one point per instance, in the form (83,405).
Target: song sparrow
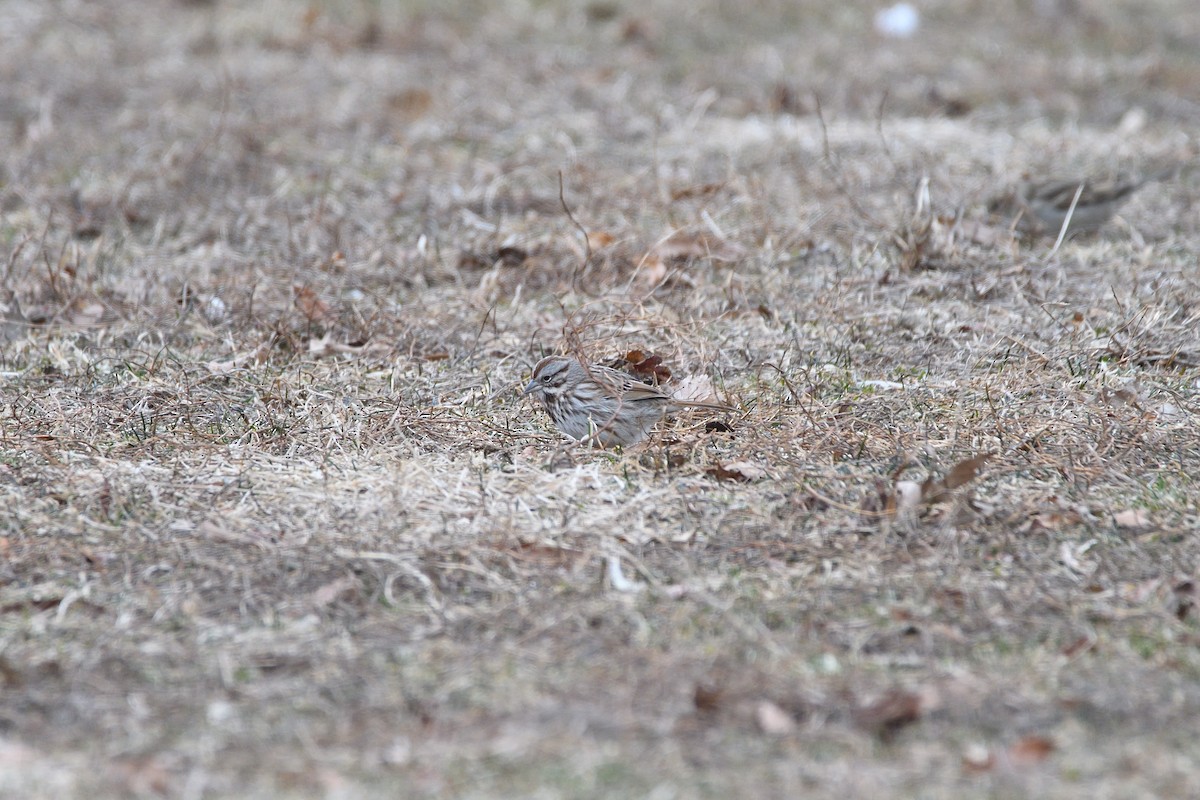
(1042,207)
(601,405)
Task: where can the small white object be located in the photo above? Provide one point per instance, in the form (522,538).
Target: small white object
(773,720)
(214,310)
(617,578)
(899,21)
(908,496)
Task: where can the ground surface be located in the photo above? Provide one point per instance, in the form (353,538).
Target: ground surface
(276,522)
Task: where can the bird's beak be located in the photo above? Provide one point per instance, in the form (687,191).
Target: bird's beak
(530,387)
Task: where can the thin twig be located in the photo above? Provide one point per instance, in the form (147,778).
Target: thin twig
(887,151)
(1062,232)
(824,130)
(587,243)
(836,171)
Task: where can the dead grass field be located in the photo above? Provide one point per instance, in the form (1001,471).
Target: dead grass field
(277,523)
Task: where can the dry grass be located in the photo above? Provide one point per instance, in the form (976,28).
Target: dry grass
(279,525)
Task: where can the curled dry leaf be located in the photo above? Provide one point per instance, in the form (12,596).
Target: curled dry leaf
(741,471)
(1030,750)
(962,473)
(648,368)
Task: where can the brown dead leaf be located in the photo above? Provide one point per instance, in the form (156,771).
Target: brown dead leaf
(411,103)
(472,262)
(310,305)
(701,190)
(653,368)
(511,256)
(964,472)
(1030,750)
(722,474)
(545,555)
(707,697)
(646,367)
(10,678)
(909,496)
(1185,599)
(887,715)
(1079,646)
(741,471)
(598,240)
(879,503)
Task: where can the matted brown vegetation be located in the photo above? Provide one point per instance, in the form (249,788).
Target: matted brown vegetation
(277,522)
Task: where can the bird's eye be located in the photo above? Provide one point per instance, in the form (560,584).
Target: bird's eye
(545,379)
